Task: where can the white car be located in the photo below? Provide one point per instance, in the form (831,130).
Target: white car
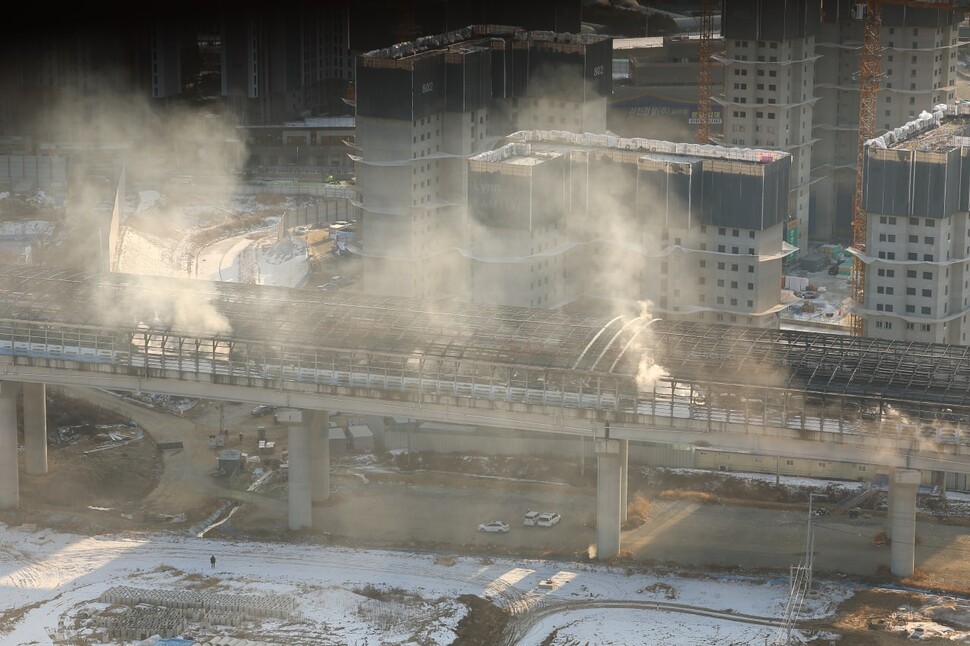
(530,518)
(548,519)
(496,526)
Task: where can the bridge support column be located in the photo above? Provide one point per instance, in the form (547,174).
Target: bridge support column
(35,428)
(320,468)
(902,521)
(298,446)
(9,477)
(624,476)
(607,499)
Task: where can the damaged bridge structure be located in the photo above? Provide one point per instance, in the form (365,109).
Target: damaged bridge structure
(898,405)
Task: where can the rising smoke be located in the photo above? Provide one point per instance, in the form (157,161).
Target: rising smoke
(119,143)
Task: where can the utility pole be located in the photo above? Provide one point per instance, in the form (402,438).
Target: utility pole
(810,539)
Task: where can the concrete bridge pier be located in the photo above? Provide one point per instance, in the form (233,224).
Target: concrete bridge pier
(608,470)
(320,467)
(308,440)
(298,439)
(624,476)
(9,477)
(903,484)
(35,428)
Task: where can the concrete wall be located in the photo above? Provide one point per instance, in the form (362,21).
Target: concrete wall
(26,173)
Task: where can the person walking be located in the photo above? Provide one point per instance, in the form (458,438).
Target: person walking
(212,561)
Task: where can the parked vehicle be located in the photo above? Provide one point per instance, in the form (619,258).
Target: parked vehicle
(530,518)
(496,526)
(262,409)
(548,519)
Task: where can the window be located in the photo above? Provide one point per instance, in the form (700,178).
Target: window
(913,239)
(734,302)
(722,231)
(734,267)
(927,293)
(702,263)
(928,240)
(910,309)
(750,287)
(928,222)
(751,234)
(911,291)
(750,269)
(720,282)
(720,248)
(720,301)
(720,265)
(911,256)
(927,275)
(701,280)
(734,284)
(735,233)
(750,303)
(925,310)
(913,222)
(910,273)
(928,257)
(735,250)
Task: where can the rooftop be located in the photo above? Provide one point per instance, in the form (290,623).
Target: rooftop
(944,128)
(562,141)
(459,38)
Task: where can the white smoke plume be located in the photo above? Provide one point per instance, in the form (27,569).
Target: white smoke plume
(649,372)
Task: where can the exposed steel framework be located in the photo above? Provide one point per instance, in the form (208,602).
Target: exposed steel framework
(704,73)
(273,321)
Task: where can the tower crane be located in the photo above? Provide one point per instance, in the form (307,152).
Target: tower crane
(870,61)
(705,52)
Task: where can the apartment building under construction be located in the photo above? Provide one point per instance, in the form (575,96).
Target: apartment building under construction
(917,196)
(695,230)
(425,107)
(791,83)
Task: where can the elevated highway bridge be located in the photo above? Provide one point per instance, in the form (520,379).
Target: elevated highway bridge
(905,406)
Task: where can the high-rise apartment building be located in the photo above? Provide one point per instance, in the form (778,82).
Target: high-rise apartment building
(424,108)
(769,89)
(917,199)
(791,82)
(919,71)
(695,230)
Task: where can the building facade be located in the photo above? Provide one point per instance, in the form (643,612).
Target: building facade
(655,88)
(919,71)
(424,108)
(917,256)
(769,90)
(694,230)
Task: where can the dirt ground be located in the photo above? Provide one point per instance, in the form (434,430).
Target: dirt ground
(429,505)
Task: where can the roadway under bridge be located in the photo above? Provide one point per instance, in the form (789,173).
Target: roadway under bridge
(905,406)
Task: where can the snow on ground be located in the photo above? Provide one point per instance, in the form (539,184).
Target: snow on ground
(50,584)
